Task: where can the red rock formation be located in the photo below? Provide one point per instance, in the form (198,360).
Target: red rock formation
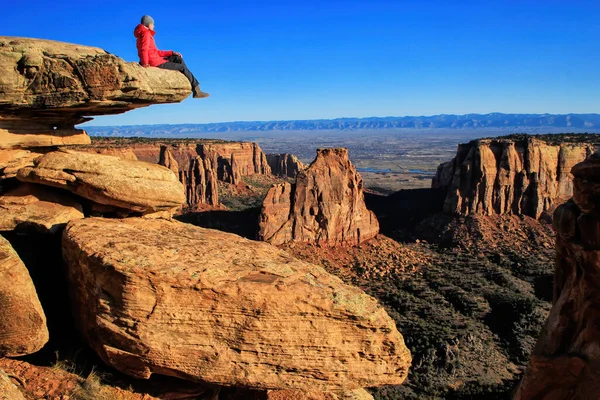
(232,160)
(326,205)
(157,296)
(565,363)
(22,321)
(285,165)
(510,176)
(197,175)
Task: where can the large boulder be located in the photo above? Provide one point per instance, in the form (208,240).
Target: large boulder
(22,321)
(37,208)
(326,205)
(158,296)
(131,185)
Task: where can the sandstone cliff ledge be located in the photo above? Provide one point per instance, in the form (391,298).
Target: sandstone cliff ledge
(511,175)
(48,87)
(326,205)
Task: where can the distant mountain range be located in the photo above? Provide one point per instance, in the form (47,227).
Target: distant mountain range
(570,122)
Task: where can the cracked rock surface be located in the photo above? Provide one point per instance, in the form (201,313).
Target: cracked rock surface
(158,296)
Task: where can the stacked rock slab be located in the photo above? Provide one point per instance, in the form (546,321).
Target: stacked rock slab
(158,296)
(565,363)
(284,165)
(127,184)
(35,208)
(22,321)
(326,205)
(521,176)
(48,87)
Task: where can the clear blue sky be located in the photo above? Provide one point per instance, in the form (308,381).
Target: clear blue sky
(306,59)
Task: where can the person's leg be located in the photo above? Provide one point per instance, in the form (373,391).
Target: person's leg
(176,63)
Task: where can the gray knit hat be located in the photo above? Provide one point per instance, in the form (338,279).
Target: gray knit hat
(147,20)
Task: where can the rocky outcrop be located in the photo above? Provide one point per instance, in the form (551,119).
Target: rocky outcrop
(359,394)
(285,165)
(522,176)
(22,321)
(119,152)
(48,87)
(8,391)
(158,296)
(38,209)
(130,185)
(326,205)
(565,363)
(232,160)
(13,160)
(197,175)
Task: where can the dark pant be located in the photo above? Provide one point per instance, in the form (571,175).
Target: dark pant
(176,63)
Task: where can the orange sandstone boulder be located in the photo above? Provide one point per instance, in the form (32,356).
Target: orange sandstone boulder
(326,205)
(157,296)
(37,208)
(22,321)
(108,180)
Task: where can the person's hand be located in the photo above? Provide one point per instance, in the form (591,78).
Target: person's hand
(175,53)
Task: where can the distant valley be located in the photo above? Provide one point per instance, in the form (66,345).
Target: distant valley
(391,153)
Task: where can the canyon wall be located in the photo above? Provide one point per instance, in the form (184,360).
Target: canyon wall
(565,363)
(521,176)
(285,165)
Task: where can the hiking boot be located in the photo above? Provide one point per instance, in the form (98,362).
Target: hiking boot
(199,94)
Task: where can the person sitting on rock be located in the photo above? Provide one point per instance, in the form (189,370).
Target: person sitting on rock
(150,56)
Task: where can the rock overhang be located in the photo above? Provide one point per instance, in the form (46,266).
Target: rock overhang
(50,84)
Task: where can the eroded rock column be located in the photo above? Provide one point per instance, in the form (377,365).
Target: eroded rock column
(566,362)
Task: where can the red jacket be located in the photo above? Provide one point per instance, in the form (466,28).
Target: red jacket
(147,51)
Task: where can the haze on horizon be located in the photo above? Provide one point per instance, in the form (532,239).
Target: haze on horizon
(301,60)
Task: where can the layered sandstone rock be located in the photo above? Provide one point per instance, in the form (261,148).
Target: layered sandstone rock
(48,85)
(232,160)
(131,185)
(22,321)
(358,394)
(326,205)
(37,208)
(197,175)
(8,391)
(522,176)
(157,296)
(285,165)
(13,160)
(565,363)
